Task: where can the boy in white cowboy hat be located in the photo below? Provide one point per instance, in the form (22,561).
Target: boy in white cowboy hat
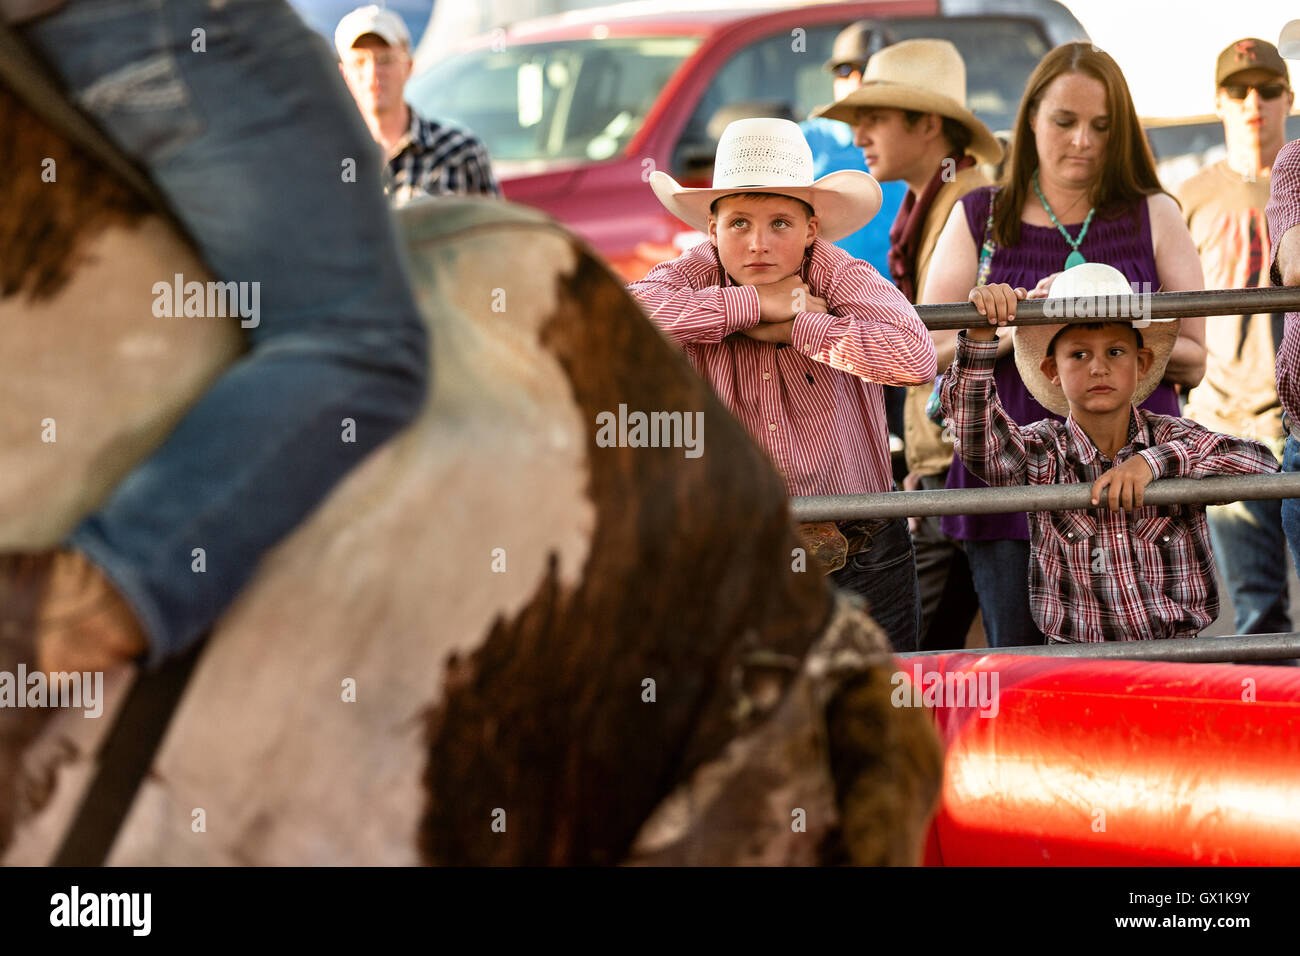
(1120,574)
(796,336)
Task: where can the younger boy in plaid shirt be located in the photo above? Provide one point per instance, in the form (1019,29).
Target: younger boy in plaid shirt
(1120,574)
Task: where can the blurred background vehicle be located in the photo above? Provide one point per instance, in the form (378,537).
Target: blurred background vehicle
(574,84)
(577,109)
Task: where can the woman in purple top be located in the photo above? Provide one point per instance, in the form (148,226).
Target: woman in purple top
(1080,186)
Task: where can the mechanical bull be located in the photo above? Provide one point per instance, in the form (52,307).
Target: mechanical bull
(497,641)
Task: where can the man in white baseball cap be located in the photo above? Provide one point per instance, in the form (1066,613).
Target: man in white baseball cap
(422,156)
(796,337)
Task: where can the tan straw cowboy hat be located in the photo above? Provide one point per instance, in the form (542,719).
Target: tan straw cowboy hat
(1096,279)
(924,75)
(771,156)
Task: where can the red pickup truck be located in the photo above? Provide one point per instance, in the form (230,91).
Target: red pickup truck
(578,109)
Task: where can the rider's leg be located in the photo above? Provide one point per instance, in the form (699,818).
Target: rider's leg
(240,115)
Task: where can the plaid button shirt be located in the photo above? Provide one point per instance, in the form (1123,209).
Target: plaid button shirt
(1283,212)
(813,406)
(437,160)
(1100,575)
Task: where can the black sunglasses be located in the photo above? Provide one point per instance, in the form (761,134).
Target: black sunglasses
(1268,91)
(845,70)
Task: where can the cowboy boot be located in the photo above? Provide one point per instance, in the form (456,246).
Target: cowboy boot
(83,624)
(58,613)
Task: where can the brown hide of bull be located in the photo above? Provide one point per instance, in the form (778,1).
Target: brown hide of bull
(546,720)
(887,763)
(688,576)
(50,222)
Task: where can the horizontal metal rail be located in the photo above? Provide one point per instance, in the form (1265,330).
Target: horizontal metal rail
(1070,497)
(1157,305)
(1197,650)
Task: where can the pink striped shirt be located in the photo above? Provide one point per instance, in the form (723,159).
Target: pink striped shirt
(815,407)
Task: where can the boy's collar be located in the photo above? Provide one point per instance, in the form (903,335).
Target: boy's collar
(1137,436)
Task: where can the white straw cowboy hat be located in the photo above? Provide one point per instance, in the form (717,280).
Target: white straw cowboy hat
(1099,279)
(771,156)
(924,75)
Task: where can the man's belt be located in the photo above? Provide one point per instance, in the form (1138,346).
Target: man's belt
(1290,427)
(832,544)
(861,534)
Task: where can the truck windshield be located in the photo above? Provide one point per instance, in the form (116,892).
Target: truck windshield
(578,99)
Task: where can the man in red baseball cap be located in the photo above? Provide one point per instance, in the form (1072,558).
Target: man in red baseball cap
(1224,208)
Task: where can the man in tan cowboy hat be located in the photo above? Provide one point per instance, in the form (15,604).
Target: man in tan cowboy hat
(909,117)
(1223,205)
(796,336)
(1122,573)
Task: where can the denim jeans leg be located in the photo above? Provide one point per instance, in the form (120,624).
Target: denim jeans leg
(885,575)
(1250,548)
(1291,506)
(251,140)
(948,600)
(1000,570)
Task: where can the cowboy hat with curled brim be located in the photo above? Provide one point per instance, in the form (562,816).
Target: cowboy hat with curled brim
(1096,279)
(761,155)
(928,76)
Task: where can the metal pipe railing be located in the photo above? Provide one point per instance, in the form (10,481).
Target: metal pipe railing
(1070,497)
(1197,650)
(1155,305)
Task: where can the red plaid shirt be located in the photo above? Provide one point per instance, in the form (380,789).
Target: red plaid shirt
(1283,212)
(815,407)
(1100,575)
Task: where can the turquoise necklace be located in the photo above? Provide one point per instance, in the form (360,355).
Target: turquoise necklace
(1075,258)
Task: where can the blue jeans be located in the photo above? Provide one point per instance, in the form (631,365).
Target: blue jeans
(885,574)
(1000,570)
(1250,548)
(1291,506)
(948,599)
(248,141)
